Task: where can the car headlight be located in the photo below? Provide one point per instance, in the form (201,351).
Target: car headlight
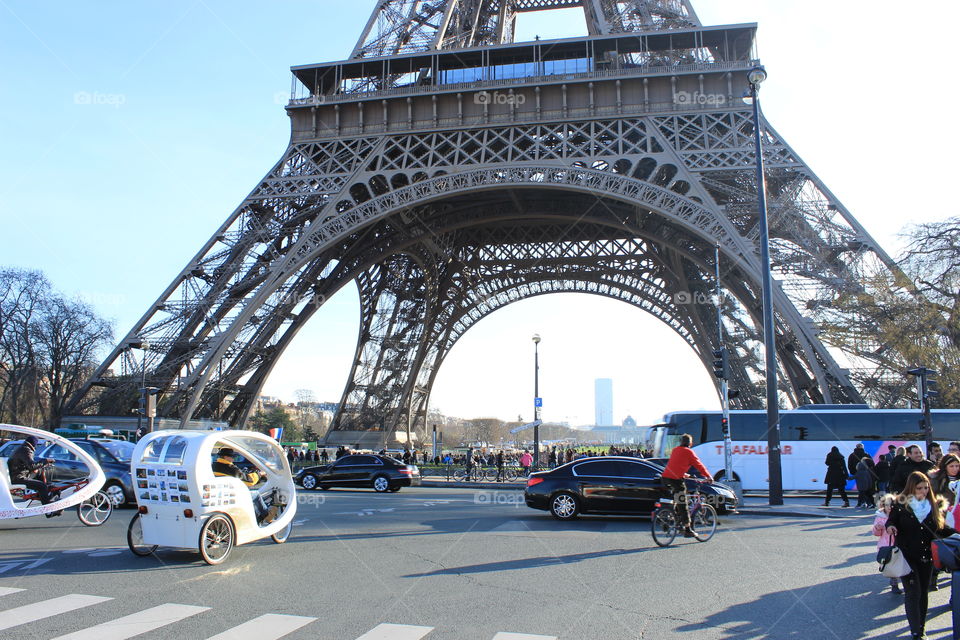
(726,493)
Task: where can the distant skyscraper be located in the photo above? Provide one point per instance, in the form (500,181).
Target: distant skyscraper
(603,398)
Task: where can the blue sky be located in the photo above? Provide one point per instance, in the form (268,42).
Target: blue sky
(130,130)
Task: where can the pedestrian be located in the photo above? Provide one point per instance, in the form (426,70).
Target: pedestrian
(499,465)
(891,454)
(914,462)
(947,471)
(882,470)
(854,458)
(865,484)
(324,456)
(836,477)
(887,501)
(915,520)
(553,458)
(525,461)
(935,453)
(469,463)
(954,448)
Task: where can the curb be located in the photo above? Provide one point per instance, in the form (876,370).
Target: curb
(437,484)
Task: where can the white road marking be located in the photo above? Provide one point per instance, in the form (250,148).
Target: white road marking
(396,632)
(5,591)
(266,627)
(46,608)
(137,623)
(503,635)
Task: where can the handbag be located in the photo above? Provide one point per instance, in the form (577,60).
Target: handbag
(892,562)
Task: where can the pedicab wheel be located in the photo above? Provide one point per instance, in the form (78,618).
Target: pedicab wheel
(216,539)
(663,525)
(281,536)
(95,511)
(135,538)
(704,522)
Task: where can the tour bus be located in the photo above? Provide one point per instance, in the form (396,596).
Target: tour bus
(806,436)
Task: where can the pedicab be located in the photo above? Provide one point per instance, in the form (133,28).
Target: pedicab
(182,504)
(17,501)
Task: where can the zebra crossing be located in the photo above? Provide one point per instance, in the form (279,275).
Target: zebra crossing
(271,626)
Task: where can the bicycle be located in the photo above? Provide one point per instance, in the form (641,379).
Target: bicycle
(92,512)
(664,523)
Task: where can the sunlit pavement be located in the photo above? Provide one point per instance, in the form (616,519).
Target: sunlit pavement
(456,564)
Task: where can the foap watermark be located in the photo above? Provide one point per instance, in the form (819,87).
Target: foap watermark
(310,499)
(499,97)
(695,97)
(95,98)
(499,497)
(697,297)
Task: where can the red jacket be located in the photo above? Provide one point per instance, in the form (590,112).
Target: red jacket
(681,459)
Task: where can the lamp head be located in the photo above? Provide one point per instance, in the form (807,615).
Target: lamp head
(756,76)
(536,338)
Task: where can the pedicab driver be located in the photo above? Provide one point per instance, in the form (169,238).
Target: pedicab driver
(23,470)
(224,466)
(681,459)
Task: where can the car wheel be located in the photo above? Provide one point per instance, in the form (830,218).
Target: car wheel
(381,484)
(564,506)
(115,492)
(395,489)
(309,482)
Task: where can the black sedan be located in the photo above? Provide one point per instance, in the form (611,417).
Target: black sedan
(610,485)
(382,473)
(113,456)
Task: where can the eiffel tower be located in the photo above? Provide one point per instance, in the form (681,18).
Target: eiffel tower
(448,171)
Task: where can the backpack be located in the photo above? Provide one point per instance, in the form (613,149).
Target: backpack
(946,553)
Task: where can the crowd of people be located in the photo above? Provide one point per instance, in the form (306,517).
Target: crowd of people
(917,496)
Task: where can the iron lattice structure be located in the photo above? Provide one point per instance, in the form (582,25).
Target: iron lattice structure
(448,171)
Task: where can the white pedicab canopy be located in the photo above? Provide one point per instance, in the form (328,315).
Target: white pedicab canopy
(187,455)
(10,509)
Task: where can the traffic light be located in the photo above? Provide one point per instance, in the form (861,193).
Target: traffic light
(930,389)
(803,433)
(721,365)
(926,384)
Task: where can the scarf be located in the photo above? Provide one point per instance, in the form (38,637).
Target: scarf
(921,508)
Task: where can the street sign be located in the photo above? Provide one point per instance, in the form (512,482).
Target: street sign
(538,402)
(535,423)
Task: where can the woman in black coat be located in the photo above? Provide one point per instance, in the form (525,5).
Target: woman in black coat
(914,522)
(836,477)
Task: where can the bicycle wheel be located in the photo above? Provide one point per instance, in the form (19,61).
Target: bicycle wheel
(704,522)
(95,511)
(459,475)
(663,525)
(135,538)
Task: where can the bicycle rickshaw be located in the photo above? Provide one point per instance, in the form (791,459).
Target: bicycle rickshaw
(93,506)
(182,504)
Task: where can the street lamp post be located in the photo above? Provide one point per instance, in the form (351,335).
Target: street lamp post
(145,347)
(536,401)
(755,77)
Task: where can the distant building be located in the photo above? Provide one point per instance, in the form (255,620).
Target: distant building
(603,399)
(629,422)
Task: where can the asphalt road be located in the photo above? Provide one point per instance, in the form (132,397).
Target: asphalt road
(455,564)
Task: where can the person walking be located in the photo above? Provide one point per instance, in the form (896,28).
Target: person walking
(915,520)
(854,458)
(525,461)
(866,482)
(836,477)
(898,457)
(882,469)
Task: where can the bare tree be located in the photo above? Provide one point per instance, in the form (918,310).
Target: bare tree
(21,297)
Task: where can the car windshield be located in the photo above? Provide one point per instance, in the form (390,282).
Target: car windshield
(122,451)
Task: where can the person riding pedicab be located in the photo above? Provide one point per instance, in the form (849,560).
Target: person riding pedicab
(224,466)
(23,470)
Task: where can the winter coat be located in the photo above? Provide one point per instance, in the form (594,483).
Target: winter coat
(914,537)
(854,459)
(904,469)
(866,481)
(836,469)
(882,470)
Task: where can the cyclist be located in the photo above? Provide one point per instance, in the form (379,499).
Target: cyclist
(23,470)
(681,459)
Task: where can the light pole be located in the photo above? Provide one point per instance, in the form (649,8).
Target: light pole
(145,347)
(536,401)
(755,77)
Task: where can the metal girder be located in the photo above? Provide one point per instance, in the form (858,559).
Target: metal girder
(603,189)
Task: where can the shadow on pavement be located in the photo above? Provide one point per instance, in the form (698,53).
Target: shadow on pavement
(529,563)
